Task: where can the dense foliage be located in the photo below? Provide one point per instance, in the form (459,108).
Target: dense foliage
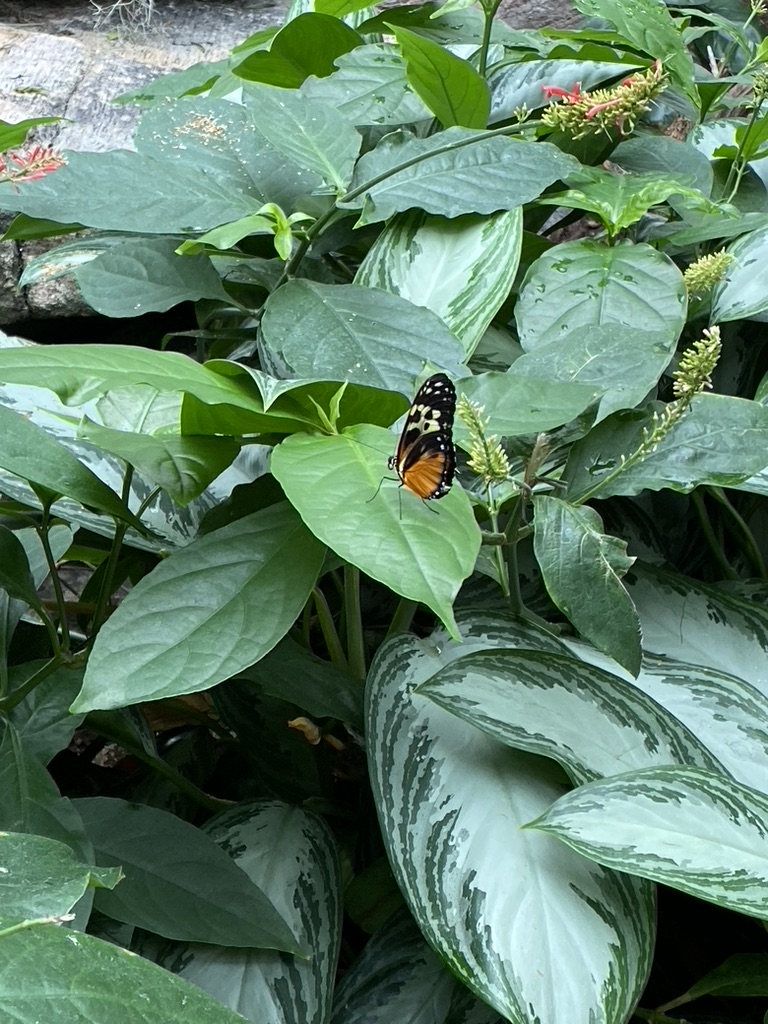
(320,750)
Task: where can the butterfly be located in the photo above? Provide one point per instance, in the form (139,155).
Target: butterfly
(425,459)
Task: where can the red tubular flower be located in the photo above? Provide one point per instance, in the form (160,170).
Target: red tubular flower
(29,166)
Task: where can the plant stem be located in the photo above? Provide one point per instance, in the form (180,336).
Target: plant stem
(331,637)
(498,553)
(354,621)
(512,529)
(709,535)
(42,533)
(489,13)
(105,591)
(403,617)
(18,695)
(739,165)
(739,528)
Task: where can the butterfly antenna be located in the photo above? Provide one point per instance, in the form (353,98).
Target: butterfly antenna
(368,502)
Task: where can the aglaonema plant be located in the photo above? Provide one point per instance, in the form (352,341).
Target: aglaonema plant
(480,736)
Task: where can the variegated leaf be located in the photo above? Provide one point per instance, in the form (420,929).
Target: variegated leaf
(291,854)
(726,715)
(692,621)
(398,978)
(499,909)
(592,723)
(686,827)
(461,269)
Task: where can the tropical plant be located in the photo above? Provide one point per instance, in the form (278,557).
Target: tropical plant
(302,701)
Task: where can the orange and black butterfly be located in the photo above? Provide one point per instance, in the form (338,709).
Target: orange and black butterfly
(425,459)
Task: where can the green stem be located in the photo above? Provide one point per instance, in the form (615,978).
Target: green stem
(709,535)
(739,165)
(489,13)
(58,593)
(18,695)
(512,530)
(35,922)
(498,552)
(301,249)
(354,621)
(403,617)
(737,526)
(210,803)
(331,637)
(105,591)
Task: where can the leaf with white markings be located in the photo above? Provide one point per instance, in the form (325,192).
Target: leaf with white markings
(689,828)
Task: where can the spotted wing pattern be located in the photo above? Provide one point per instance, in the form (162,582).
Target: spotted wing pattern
(425,459)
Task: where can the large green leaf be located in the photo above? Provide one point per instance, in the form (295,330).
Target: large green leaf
(397,977)
(743,292)
(451,88)
(454,172)
(182,466)
(719,441)
(522,405)
(718,627)
(307,45)
(554,705)
(15,574)
(689,828)
(178,882)
(42,877)
(461,269)
(623,363)
(369,87)
(206,612)
(576,557)
(391,535)
(147,276)
(667,157)
(586,283)
(346,332)
(88,981)
(291,854)
(499,907)
(42,720)
(312,134)
(30,452)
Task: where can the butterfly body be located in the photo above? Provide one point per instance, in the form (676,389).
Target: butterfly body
(425,459)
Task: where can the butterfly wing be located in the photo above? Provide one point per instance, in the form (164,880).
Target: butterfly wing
(425,459)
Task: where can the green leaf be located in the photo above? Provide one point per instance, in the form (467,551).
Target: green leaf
(319,688)
(178,882)
(451,88)
(228,235)
(520,405)
(647,25)
(30,229)
(661,155)
(721,440)
(42,719)
(619,200)
(15,575)
(577,557)
(331,481)
(31,453)
(67,258)
(454,172)
(13,135)
(88,981)
(77,373)
(206,612)
(291,853)
(307,45)
(42,877)
(346,332)
(439,784)
(745,974)
(147,276)
(396,972)
(181,466)
(742,294)
(692,829)
(556,706)
(461,269)
(312,134)
(338,8)
(620,363)
(369,87)
(586,283)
